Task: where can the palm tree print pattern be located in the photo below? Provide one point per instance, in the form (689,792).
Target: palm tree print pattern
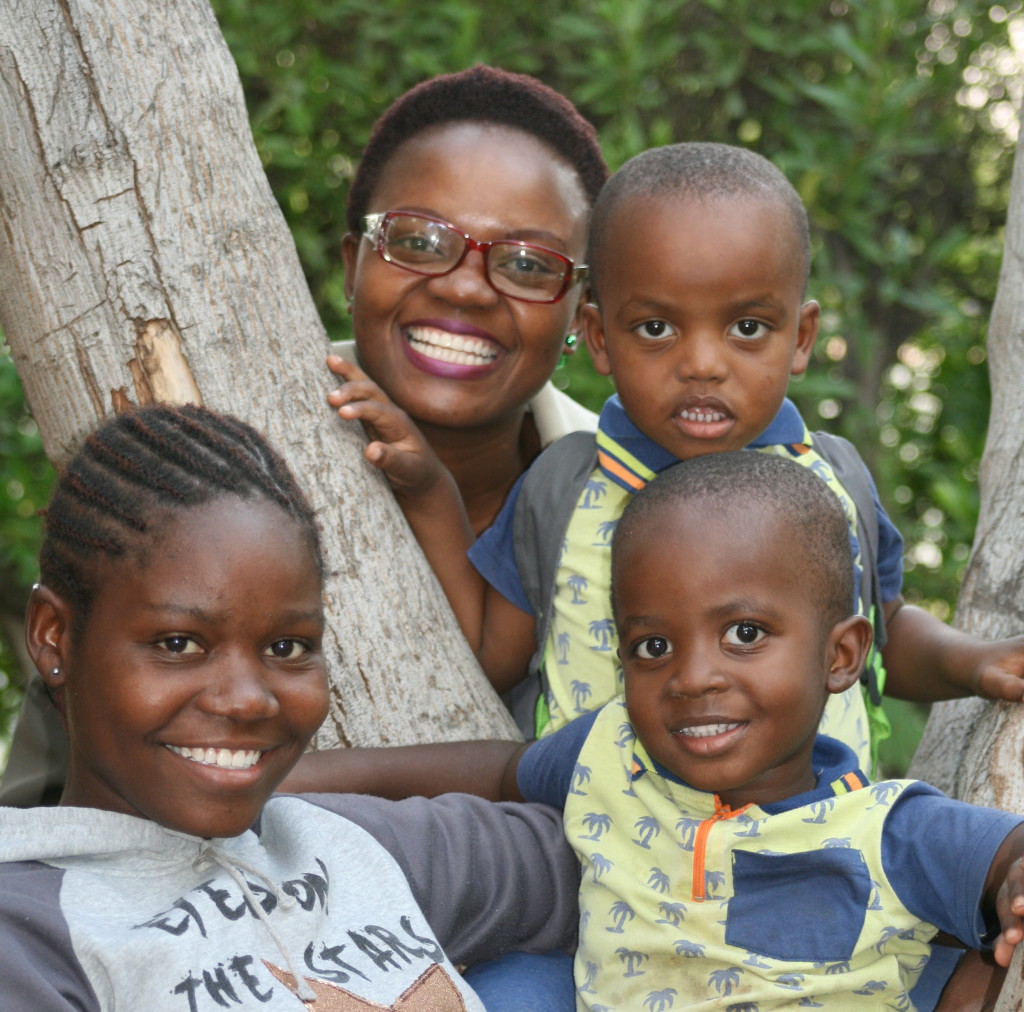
(638,853)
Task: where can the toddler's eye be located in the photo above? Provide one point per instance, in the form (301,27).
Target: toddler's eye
(743,634)
(287,650)
(180,645)
(749,330)
(652,648)
(654,329)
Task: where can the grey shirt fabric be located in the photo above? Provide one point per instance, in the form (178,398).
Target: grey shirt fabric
(356,895)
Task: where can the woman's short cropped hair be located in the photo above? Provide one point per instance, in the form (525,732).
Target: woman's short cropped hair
(486,95)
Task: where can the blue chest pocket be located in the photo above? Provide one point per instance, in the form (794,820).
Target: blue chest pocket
(808,907)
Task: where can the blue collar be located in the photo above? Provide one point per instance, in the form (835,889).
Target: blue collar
(835,771)
(631,459)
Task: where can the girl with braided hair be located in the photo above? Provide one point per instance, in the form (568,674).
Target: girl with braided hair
(177,624)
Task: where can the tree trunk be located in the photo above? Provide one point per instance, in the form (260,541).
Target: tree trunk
(971,748)
(142,258)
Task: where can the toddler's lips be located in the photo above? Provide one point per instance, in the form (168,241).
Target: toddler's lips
(225,758)
(707,730)
(703,415)
(710,738)
(704,421)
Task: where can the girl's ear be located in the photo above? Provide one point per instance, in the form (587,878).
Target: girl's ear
(593,334)
(48,623)
(847,650)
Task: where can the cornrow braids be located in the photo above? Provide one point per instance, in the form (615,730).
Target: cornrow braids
(140,467)
(485,95)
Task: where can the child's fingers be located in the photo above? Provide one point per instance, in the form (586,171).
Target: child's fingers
(1007,941)
(388,423)
(996,682)
(346,370)
(1010,911)
(1008,687)
(407,472)
(357,390)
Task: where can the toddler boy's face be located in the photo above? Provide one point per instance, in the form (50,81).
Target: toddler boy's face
(701,321)
(726,658)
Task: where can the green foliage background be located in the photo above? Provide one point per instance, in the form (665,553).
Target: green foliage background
(892,118)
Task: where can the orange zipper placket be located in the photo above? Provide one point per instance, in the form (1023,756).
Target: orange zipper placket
(700,844)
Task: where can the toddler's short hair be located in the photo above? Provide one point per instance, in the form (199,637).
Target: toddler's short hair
(745,483)
(701,172)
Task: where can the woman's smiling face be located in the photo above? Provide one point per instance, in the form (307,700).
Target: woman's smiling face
(198,677)
(450,350)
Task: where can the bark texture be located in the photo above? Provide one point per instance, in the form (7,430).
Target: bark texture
(143,257)
(973,749)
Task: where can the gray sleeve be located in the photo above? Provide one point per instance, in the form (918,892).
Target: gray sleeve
(38,968)
(489,877)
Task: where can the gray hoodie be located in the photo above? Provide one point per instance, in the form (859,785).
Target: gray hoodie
(358,902)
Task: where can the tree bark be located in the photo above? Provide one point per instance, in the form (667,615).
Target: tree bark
(972,748)
(142,258)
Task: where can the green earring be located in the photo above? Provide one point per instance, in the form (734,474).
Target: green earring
(568,345)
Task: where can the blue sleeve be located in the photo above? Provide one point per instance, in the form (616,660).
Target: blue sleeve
(937,853)
(494,553)
(890,553)
(546,767)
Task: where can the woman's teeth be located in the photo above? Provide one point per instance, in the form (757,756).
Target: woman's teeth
(458,349)
(241,759)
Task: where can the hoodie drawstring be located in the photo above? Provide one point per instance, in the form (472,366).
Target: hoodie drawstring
(209,854)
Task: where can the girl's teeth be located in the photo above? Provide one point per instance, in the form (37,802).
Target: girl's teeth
(236,759)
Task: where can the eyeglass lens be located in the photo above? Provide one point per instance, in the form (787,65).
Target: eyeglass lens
(431,247)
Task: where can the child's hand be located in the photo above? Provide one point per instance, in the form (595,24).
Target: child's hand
(999,670)
(1010,911)
(396,446)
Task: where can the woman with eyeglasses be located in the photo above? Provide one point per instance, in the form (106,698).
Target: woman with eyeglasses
(464,269)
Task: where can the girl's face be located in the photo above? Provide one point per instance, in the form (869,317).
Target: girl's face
(199,677)
(493,183)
